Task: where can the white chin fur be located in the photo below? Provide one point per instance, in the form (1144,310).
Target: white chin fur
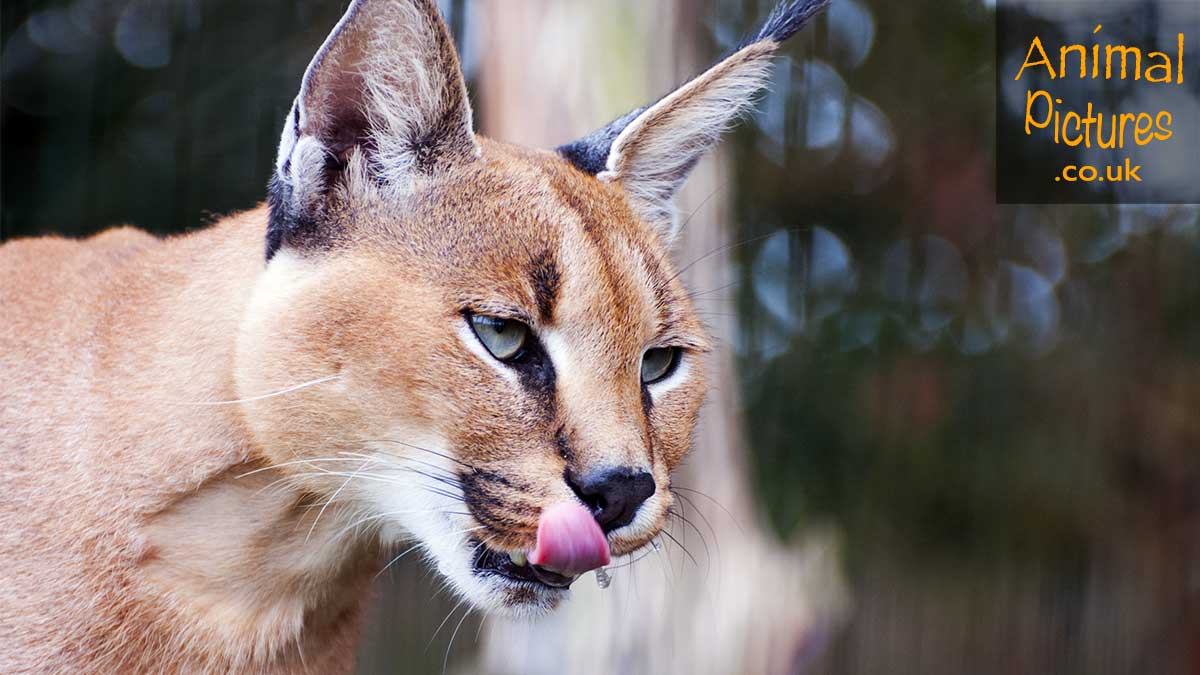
(491,593)
(427,513)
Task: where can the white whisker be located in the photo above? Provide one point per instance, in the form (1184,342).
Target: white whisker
(401,458)
(281,392)
(443,624)
(388,514)
(293,462)
(446,659)
(337,492)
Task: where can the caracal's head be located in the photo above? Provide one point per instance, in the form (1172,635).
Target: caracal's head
(499,360)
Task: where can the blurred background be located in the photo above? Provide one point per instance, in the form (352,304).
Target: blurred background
(944,436)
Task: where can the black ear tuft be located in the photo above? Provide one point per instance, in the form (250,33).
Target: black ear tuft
(787,18)
(650,152)
(590,153)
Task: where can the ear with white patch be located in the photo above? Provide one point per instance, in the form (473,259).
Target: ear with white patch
(383,100)
(651,151)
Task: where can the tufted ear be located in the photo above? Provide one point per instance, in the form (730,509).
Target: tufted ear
(651,151)
(383,99)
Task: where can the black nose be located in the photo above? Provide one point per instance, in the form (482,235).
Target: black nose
(614,495)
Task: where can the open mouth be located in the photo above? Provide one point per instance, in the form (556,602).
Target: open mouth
(517,568)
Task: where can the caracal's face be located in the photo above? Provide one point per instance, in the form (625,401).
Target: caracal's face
(483,347)
(512,338)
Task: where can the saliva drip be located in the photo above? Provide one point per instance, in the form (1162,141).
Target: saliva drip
(602,578)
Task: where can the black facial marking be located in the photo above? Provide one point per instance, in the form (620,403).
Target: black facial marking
(545,286)
(536,372)
(489,510)
(647,406)
(590,153)
(477,475)
(495,501)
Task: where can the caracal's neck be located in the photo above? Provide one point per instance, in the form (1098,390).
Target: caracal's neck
(263,572)
(234,554)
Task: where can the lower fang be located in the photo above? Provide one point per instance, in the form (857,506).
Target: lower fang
(517,558)
(602,578)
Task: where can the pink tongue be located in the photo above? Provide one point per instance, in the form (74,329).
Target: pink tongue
(569,541)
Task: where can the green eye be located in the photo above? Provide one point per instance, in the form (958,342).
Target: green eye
(658,363)
(504,338)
